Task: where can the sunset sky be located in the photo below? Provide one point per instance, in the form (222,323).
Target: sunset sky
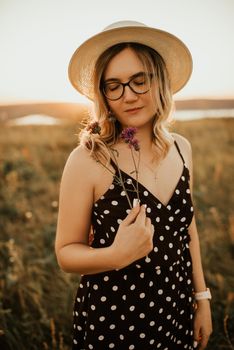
(38,37)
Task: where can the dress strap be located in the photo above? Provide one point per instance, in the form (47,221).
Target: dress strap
(177,146)
(114,165)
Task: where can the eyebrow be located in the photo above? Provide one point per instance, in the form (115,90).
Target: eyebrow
(131,77)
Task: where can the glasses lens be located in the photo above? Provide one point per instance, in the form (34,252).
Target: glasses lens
(141,84)
(113,91)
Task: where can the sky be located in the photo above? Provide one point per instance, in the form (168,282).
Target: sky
(38,38)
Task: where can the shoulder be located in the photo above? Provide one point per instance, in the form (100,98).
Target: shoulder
(80,164)
(184,146)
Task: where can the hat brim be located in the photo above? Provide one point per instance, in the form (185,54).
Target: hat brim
(175,53)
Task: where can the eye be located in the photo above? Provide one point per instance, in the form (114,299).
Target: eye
(112,87)
(141,80)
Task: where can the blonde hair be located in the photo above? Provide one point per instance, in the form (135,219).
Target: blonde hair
(162,97)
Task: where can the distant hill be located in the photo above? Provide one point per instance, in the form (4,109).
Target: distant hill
(77,111)
(205,104)
(67,111)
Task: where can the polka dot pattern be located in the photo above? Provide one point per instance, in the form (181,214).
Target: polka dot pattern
(147,304)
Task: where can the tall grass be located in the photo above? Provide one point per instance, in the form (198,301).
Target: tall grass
(36,297)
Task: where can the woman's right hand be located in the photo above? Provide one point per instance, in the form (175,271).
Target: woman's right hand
(134,238)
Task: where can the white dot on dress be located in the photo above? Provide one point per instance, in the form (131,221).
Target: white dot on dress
(171,218)
(114,203)
(147,259)
(142,295)
(145,193)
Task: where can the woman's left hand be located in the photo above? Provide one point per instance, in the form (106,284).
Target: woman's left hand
(202,324)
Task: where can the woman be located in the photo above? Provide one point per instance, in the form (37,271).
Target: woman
(142,284)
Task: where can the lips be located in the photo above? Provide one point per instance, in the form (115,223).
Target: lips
(133,110)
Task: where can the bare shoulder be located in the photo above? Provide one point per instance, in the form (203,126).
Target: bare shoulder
(80,163)
(185,147)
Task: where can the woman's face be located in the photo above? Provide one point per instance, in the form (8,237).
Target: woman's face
(131,109)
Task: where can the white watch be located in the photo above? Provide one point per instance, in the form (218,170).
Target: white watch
(203,295)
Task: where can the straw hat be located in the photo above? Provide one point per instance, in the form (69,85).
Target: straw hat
(174,52)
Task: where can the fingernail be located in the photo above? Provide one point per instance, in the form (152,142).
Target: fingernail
(195,344)
(135,202)
(145,206)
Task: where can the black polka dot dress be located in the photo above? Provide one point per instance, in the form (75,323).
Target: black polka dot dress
(149,304)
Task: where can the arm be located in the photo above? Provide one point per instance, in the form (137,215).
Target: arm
(134,236)
(74,219)
(202,322)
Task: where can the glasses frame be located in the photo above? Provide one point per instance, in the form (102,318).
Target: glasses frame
(150,75)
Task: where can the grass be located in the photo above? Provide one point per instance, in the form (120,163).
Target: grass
(36,297)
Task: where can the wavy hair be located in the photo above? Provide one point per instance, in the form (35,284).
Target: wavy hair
(162,97)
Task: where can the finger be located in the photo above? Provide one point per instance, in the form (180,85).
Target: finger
(203,342)
(131,217)
(196,334)
(148,224)
(140,220)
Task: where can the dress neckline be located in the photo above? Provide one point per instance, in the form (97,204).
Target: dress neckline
(144,188)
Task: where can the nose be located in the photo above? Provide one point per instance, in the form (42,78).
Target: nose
(129,95)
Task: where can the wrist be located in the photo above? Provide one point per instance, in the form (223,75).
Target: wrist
(203,295)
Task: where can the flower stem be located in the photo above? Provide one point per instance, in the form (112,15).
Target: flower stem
(137,172)
(121,180)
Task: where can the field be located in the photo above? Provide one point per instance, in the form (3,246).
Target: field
(36,297)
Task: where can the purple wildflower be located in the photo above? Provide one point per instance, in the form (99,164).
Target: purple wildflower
(135,144)
(128,136)
(94,128)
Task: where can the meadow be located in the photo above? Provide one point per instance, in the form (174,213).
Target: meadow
(36,297)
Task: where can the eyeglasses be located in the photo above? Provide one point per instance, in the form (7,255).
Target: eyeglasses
(139,84)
